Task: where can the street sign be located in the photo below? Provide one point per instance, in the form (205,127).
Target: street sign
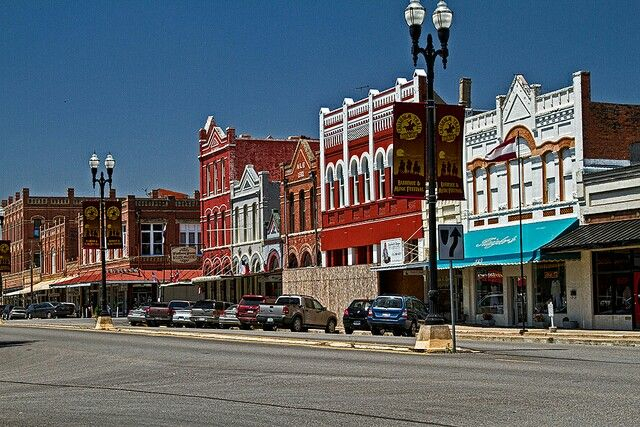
(183,254)
(450,242)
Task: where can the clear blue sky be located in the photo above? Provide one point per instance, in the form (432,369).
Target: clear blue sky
(139,78)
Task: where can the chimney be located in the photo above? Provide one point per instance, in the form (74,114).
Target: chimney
(70,193)
(464,97)
(112,193)
(10,199)
(154,194)
(4,204)
(196,195)
(17,196)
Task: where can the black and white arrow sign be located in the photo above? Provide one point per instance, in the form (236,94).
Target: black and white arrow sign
(450,242)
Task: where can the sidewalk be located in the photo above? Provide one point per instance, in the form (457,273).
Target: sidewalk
(567,336)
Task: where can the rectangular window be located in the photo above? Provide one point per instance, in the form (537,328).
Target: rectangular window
(152,239)
(489,294)
(549,286)
(613,281)
(125,250)
(190,235)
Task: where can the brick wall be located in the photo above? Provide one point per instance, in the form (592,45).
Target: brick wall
(609,130)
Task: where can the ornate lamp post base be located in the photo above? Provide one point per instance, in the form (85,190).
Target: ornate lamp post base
(434,339)
(104,323)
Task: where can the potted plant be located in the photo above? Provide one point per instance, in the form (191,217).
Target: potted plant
(539,321)
(487,319)
(569,324)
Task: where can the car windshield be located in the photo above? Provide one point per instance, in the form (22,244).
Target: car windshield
(388,303)
(179,304)
(288,300)
(18,309)
(360,304)
(203,304)
(158,304)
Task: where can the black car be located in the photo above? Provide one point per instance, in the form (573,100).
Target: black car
(355,316)
(400,314)
(41,310)
(64,309)
(6,309)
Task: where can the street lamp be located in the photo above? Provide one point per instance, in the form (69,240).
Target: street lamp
(1,233)
(442,17)
(109,163)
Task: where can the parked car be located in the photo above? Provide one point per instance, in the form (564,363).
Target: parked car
(248,309)
(14,312)
(298,312)
(401,314)
(491,303)
(161,313)
(207,312)
(41,310)
(182,317)
(137,316)
(229,318)
(355,316)
(64,309)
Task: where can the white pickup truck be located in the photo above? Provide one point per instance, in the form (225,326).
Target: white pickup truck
(298,312)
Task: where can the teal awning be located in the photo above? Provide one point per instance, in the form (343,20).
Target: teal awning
(501,245)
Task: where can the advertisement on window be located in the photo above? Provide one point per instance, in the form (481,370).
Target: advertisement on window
(91,224)
(409,142)
(449,143)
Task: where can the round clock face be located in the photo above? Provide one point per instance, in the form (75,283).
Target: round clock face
(4,248)
(91,213)
(113,213)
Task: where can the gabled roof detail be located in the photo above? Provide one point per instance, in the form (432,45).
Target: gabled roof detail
(518,102)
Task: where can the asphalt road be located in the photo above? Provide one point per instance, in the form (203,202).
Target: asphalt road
(55,377)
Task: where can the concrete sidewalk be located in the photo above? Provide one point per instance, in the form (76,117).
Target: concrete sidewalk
(567,336)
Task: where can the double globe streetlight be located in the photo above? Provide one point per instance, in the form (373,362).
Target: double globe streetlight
(109,163)
(442,17)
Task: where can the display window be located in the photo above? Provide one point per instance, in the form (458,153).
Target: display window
(550,286)
(489,290)
(613,286)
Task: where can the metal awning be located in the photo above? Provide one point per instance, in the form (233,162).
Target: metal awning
(597,236)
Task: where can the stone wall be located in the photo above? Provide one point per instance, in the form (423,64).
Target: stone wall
(334,287)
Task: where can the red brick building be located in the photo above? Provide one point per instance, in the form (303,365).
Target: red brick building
(300,207)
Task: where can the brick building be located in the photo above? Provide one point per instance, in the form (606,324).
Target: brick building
(223,157)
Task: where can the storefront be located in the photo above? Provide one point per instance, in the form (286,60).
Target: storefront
(232,288)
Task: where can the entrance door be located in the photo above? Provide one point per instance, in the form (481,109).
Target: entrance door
(636,300)
(519,300)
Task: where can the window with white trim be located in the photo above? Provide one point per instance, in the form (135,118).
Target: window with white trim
(190,235)
(152,239)
(380,169)
(367,179)
(354,175)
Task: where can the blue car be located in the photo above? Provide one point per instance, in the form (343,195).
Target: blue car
(400,314)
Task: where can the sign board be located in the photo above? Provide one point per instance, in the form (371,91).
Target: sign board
(392,252)
(5,256)
(113,223)
(183,254)
(450,242)
(449,143)
(91,224)
(409,141)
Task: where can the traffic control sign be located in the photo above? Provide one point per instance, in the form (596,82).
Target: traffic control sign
(450,242)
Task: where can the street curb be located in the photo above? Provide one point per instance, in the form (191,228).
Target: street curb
(551,339)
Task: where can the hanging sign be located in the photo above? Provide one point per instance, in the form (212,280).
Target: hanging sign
(449,144)
(113,223)
(91,224)
(409,142)
(5,256)
(184,254)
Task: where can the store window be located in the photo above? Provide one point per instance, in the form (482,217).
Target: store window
(613,272)
(550,285)
(489,292)
(152,238)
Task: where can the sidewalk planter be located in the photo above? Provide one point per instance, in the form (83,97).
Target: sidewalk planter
(487,320)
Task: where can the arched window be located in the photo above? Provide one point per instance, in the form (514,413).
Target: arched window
(293,261)
(492,194)
(292,214)
(236,226)
(209,241)
(353,173)
(480,204)
(380,169)
(223,229)
(330,185)
(301,208)
(245,223)
(567,175)
(367,179)
(307,261)
(340,173)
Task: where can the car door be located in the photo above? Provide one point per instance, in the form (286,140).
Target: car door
(420,309)
(321,314)
(310,312)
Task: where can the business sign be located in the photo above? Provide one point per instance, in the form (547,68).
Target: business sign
(5,256)
(449,143)
(91,224)
(409,142)
(450,242)
(183,254)
(392,252)
(113,223)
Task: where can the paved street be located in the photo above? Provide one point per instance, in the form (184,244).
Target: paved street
(51,377)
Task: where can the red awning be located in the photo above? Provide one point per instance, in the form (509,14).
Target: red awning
(132,276)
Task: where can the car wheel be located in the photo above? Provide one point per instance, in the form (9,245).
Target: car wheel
(413,330)
(376,331)
(245,327)
(348,331)
(30,316)
(267,328)
(296,326)
(397,332)
(331,327)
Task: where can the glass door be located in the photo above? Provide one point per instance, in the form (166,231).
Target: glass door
(519,299)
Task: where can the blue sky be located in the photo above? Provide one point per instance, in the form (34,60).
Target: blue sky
(138,79)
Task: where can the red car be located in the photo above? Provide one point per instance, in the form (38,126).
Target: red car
(248,309)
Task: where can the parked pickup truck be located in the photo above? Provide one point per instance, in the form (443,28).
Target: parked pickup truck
(206,313)
(298,312)
(161,313)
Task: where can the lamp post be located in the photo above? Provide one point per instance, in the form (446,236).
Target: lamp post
(442,17)
(104,320)
(1,233)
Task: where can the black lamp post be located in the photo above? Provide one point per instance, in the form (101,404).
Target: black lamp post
(442,17)
(1,233)
(109,164)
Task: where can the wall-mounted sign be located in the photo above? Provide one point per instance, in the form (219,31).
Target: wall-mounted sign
(409,158)
(183,254)
(5,256)
(392,252)
(449,143)
(113,223)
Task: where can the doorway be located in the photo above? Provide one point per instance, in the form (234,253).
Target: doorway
(636,300)
(518,300)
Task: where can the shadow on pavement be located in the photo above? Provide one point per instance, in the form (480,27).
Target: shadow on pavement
(4,344)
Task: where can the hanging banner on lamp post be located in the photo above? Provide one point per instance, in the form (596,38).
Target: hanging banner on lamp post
(91,224)
(409,142)
(5,256)
(449,144)
(113,224)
